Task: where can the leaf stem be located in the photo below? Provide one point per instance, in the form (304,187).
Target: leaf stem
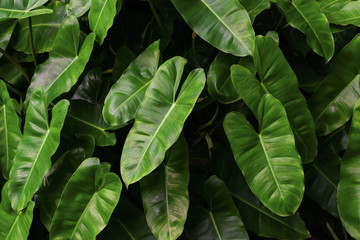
(32,43)
(332,232)
(158,20)
(13,61)
(13,89)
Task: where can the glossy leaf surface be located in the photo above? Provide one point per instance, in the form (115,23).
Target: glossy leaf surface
(78,7)
(14,225)
(221,220)
(255,7)
(128,92)
(348,188)
(348,14)
(159,119)
(97,192)
(10,133)
(65,63)
(278,79)
(268,159)
(22,9)
(101,17)
(307,17)
(228,18)
(333,101)
(165,190)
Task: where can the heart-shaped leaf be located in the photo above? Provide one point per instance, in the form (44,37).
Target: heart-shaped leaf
(268,159)
(227,25)
(38,144)
(159,119)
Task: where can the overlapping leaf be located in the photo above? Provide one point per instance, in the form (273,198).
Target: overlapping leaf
(39,142)
(159,119)
(342,12)
(88,200)
(227,25)
(333,101)
(127,93)
(278,79)
(165,191)
(65,64)
(268,159)
(78,8)
(10,133)
(22,8)
(255,7)
(6,30)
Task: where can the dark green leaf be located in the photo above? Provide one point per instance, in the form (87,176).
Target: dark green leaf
(90,86)
(6,30)
(255,7)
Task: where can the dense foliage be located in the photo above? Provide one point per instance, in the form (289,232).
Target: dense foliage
(189,119)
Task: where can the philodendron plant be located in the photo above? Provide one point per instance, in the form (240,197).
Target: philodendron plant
(179,119)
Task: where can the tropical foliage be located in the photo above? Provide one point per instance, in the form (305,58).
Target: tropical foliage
(179,119)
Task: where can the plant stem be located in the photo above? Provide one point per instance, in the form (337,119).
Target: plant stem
(157,18)
(11,59)
(332,232)
(280,21)
(32,42)
(13,89)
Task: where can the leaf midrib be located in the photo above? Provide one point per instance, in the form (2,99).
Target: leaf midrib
(100,14)
(6,138)
(214,223)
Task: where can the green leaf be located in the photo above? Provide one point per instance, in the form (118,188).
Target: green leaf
(268,159)
(225,25)
(255,7)
(307,17)
(38,144)
(221,220)
(22,8)
(44,29)
(101,17)
(89,120)
(65,64)
(124,57)
(97,192)
(348,14)
(331,6)
(159,119)
(10,133)
(333,101)
(14,225)
(78,8)
(89,87)
(165,191)
(219,83)
(127,93)
(127,223)
(278,79)
(6,30)
(348,188)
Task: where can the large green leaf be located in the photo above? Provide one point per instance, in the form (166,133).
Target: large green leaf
(331,6)
(14,225)
(88,200)
(10,133)
(255,7)
(78,7)
(268,159)
(44,29)
(346,12)
(349,185)
(22,8)
(221,220)
(307,17)
(127,223)
(6,30)
(165,191)
(39,142)
(128,92)
(159,119)
(333,101)
(227,25)
(65,64)
(90,86)
(101,17)
(278,79)
(89,120)
(219,83)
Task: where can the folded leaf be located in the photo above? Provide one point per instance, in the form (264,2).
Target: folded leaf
(227,25)
(221,220)
(268,159)
(128,92)
(333,101)
(65,64)
(101,17)
(159,119)
(14,225)
(38,144)
(348,188)
(165,191)
(96,194)
(10,133)
(279,80)
(307,17)
(22,8)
